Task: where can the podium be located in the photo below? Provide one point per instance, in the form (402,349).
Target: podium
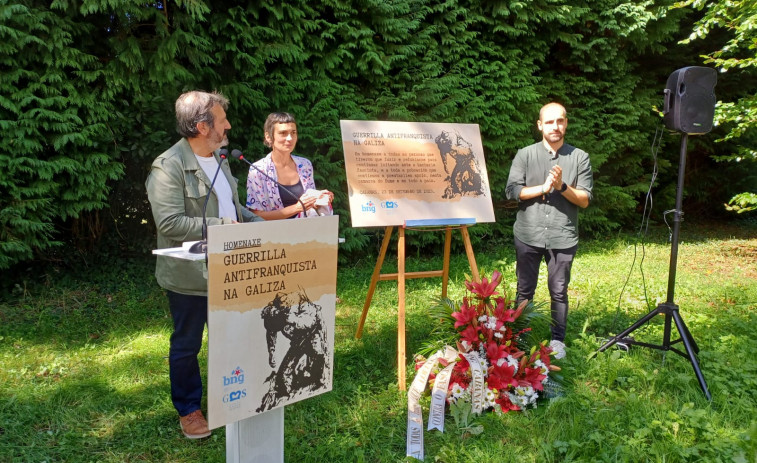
(257,439)
(447,225)
(271,314)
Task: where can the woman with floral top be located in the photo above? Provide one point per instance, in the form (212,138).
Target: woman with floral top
(285,188)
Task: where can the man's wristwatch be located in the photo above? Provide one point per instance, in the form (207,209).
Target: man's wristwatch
(564,187)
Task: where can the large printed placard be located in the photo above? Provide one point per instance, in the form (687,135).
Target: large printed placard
(271,309)
(399,171)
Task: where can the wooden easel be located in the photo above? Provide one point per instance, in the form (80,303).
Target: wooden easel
(401,275)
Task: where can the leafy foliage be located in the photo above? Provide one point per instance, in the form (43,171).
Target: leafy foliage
(88,87)
(57,156)
(462,413)
(736,59)
(743,202)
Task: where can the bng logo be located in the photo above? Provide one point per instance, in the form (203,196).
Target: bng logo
(370,206)
(237,377)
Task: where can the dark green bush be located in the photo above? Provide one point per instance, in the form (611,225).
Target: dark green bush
(87,92)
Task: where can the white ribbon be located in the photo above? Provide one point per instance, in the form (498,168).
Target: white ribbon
(476,386)
(414,445)
(439,399)
(414,412)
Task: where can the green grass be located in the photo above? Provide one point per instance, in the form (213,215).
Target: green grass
(84,375)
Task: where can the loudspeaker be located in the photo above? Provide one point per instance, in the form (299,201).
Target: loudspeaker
(690,100)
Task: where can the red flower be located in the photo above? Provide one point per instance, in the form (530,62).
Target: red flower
(466,315)
(485,288)
(462,364)
(499,310)
(534,377)
(469,334)
(494,337)
(543,355)
(460,373)
(501,377)
(418,365)
(460,379)
(495,352)
(510,315)
(504,402)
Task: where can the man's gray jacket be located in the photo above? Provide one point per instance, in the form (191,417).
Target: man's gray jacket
(176,188)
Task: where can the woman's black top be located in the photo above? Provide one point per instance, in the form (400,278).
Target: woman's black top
(290,194)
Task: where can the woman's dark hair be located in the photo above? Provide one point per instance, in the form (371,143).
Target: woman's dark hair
(271,121)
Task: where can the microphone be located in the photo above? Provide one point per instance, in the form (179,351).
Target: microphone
(201,247)
(238,154)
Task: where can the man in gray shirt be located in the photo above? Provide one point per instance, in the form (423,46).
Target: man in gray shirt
(550,180)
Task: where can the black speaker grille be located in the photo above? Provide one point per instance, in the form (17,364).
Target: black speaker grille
(690,104)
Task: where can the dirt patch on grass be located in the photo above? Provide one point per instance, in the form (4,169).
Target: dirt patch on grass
(742,251)
(723,259)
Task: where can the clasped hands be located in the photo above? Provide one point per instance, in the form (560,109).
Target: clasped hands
(554,180)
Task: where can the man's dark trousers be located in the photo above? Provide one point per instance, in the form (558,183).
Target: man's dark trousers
(559,263)
(190,314)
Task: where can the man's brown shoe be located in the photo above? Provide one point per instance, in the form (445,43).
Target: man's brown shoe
(194,425)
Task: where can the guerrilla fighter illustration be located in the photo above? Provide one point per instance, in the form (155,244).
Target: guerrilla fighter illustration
(305,366)
(465,178)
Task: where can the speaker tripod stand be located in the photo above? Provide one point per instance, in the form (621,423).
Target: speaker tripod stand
(669,308)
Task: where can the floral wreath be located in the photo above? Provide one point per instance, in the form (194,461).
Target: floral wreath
(488,332)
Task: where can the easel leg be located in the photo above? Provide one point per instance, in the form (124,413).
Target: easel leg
(445,265)
(374,280)
(401,310)
(401,277)
(470,254)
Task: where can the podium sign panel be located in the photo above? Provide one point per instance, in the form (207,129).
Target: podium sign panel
(399,171)
(271,310)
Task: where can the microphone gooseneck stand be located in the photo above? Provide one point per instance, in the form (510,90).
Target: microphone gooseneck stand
(201,247)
